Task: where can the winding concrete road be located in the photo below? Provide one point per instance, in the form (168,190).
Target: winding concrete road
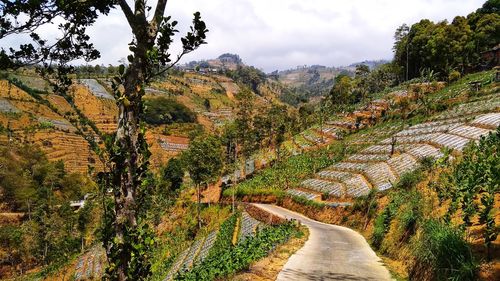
(331,253)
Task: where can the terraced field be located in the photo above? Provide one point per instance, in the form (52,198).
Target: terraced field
(332,130)
(90,266)
(200,248)
(380,165)
(50,124)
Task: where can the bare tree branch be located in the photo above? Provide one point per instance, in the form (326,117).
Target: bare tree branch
(184,52)
(159,11)
(128,14)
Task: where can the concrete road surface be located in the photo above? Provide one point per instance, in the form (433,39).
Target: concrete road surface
(331,253)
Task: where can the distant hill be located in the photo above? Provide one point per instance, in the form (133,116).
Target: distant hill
(222,63)
(306,82)
(30,113)
(372,64)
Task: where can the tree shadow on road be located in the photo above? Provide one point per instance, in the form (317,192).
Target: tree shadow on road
(292,274)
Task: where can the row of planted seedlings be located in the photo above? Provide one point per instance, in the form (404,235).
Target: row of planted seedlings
(245,237)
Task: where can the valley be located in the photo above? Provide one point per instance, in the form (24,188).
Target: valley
(157,163)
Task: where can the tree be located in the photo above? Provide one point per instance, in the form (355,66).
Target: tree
(173,173)
(401,47)
(444,47)
(126,155)
(340,94)
(490,7)
(278,119)
(204,163)
(244,122)
(229,140)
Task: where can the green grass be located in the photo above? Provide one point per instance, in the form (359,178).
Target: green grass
(289,172)
(443,250)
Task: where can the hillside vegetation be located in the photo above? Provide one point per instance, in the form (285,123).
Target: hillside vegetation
(436,218)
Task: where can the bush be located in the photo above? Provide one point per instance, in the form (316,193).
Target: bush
(167,111)
(46,125)
(383,220)
(380,227)
(173,173)
(454,76)
(442,252)
(409,216)
(409,180)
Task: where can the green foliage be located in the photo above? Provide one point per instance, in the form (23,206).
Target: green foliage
(166,111)
(381,225)
(10,241)
(443,250)
(475,176)
(289,172)
(46,125)
(446,47)
(409,180)
(248,76)
(25,171)
(350,91)
(229,260)
(41,189)
(341,92)
(203,159)
(383,220)
(409,216)
(173,173)
(128,237)
(293,97)
(427,163)
(453,76)
(306,202)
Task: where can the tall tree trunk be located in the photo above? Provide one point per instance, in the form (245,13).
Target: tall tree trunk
(129,163)
(198,189)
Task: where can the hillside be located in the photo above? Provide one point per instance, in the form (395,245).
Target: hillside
(159,170)
(316,80)
(36,116)
(363,178)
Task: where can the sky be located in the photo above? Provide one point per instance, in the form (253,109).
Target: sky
(282,34)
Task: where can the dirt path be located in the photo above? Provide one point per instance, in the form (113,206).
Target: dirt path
(331,253)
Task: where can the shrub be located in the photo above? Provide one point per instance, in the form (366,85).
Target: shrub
(441,251)
(409,216)
(46,125)
(383,220)
(427,163)
(173,173)
(454,76)
(409,180)
(380,227)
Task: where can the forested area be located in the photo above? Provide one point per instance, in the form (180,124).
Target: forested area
(444,47)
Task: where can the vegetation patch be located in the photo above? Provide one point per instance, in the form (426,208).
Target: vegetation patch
(167,111)
(226,259)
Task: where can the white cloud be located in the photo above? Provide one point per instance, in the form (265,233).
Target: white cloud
(279,34)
